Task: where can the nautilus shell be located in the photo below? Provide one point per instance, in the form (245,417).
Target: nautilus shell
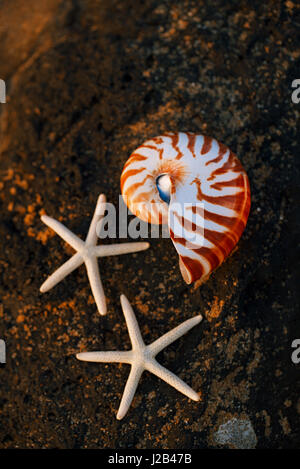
(197,186)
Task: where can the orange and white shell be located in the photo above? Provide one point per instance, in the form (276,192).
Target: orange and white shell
(208,196)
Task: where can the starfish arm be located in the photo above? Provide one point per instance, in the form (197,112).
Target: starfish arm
(117,249)
(129,391)
(63,232)
(166,375)
(105,357)
(96,284)
(92,236)
(64,270)
(173,335)
(132,325)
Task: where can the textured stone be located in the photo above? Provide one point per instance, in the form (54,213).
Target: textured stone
(236,433)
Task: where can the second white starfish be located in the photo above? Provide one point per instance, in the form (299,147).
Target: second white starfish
(87,252)
(142,357)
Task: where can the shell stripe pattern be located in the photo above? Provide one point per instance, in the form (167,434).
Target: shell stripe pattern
(209,198)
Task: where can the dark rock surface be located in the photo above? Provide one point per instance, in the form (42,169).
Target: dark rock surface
(87,82)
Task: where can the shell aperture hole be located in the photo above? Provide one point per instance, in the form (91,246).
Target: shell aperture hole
(164,184)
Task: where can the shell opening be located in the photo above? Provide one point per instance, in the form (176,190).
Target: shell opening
(164,185)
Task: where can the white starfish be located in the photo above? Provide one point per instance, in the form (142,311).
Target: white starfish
(87,252)
(142,357)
